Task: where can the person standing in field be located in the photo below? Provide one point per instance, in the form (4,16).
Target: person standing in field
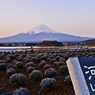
(32,50)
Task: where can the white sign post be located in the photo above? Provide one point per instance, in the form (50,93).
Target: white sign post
(82,72)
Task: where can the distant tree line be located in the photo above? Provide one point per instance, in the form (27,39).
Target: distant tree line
(50,43)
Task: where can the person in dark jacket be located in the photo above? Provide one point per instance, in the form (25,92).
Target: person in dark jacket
(32,50)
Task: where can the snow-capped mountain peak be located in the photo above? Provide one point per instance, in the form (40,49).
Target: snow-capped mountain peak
(41,28)
(41,33)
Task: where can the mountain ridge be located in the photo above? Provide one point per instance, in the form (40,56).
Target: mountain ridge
(41,33)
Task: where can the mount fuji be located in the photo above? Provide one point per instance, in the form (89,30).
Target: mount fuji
(40,33)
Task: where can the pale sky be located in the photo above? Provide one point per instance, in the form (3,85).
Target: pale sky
(76,17)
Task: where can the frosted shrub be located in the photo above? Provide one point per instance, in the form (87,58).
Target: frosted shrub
(43,57)
(19,58)
(17,79)
(57,57)
(3,64)
(29,64)
(68,79)
(55,63)
(10,71)
(15,61)
(2,55)
(35,75)
(53,60)
(62,59)
(49,84)
(38,60)
(33,59)
(11,56)
(47,66)
(27,59)
(19,64)
(51,56)
(60,54)
(42,63)
(30,69)
(21,91)
(60,63)
(8,59)
(12,66)
(50,72)
(48,59)
(63,69)
(3,61)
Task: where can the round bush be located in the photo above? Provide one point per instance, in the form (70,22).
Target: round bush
(63,69)
(62,59)
(29,64)
(12,66)
(48,59)
(57,57)
(50,72)
(68,79)
(42,63)
(30,69)
(35,75)
(21,91)
(3,65)
(38,60)
(55,63)
(27,59)
(11,56)
(8,59)
(33,59)
(53,60)
(19,64)
(3,61)
(60,63)
(2,55)
(51,56)
(43,57)
(15,61)
(17,79)
(10,71)
(19,58)
(47,66)
(49,84)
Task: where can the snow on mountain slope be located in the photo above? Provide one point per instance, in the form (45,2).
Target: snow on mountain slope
(40,28)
